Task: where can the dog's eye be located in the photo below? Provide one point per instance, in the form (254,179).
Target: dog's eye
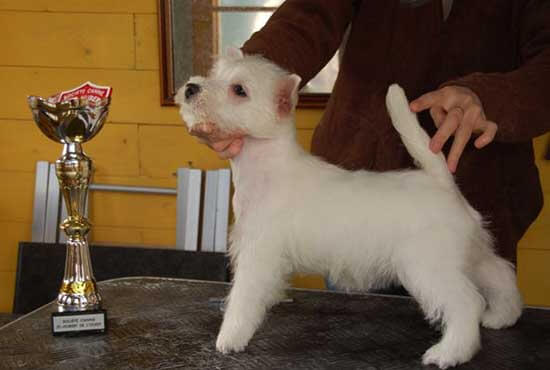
(239,90)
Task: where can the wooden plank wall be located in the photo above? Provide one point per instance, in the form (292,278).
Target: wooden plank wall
(534,249)
(48,46)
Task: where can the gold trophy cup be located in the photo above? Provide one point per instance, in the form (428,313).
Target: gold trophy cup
(72,118)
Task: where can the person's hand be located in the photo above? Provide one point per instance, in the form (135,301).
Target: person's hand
(456,111)
(225,145)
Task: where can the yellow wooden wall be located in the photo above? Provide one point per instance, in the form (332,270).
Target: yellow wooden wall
(48,46)
(534,249)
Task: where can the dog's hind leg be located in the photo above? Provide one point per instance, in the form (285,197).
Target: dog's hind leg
(461,307)
(496,279)
(445,293)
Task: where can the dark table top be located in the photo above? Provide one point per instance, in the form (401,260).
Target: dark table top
(170,323)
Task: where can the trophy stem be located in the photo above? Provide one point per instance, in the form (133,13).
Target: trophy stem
(78,291)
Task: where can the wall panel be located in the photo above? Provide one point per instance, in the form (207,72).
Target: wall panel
(56,40)
(96,6)
(7,288)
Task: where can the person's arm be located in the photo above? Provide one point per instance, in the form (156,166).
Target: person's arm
(519,101)
(508,107)
(302,35)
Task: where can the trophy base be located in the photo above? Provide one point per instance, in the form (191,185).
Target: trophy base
(79,322)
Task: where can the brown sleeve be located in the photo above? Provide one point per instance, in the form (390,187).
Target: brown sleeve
(302,35)
(519,101)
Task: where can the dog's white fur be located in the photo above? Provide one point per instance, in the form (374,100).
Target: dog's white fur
(364,230)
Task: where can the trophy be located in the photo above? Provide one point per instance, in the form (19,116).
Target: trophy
(72,118)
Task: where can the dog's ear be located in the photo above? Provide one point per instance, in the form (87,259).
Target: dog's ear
(286,95)
(234,53)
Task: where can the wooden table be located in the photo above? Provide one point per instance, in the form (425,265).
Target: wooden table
(167,323)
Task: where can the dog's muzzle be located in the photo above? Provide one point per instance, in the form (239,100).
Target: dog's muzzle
(191,90)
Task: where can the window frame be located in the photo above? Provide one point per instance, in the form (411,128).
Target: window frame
(307,100)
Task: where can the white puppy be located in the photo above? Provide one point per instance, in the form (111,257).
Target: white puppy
(296,213)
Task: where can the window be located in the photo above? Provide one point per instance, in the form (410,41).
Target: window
(194,30)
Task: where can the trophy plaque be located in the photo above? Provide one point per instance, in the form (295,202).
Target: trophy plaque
(72,118)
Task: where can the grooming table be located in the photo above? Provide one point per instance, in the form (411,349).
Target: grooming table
(167,323)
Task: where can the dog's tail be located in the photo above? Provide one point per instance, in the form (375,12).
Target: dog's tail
(415,138)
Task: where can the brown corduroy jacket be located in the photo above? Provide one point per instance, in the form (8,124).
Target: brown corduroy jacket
(498,48)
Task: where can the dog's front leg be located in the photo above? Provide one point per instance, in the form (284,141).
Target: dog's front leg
(259,283)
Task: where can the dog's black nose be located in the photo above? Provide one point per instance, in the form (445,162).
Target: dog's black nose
(191,89)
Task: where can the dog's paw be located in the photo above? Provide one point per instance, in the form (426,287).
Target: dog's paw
(230,343)
(444,358)
(435,356)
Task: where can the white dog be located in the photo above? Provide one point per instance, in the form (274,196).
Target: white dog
(296,213)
